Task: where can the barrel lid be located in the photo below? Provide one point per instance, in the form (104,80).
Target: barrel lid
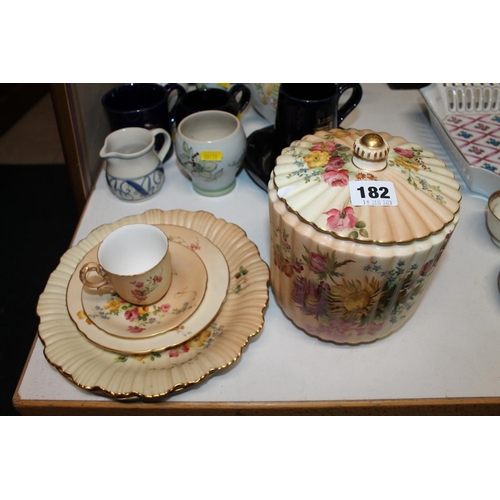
(366,186)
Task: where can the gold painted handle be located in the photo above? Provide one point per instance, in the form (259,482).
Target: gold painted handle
(94,267)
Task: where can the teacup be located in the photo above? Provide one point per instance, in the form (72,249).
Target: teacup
(235,100)
(493,217)
(142,105)
(210,145)
(133,262)
(305,108)
(134,170)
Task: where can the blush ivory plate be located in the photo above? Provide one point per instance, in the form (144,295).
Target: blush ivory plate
(156,374)
(110,313)
(217,286)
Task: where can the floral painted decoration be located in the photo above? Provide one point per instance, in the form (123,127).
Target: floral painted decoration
(470,133)
(139,317)
(208,170)
(268,93)
(341,307)
(197,343)
(141,289)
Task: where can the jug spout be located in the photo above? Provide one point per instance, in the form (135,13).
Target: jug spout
(114,147)
(125,146)
(105,152)
(130,153)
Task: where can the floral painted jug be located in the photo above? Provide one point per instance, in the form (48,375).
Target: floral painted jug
(359,221)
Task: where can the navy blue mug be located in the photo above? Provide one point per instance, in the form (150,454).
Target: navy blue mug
(233,101)
(305,108)
(142,105)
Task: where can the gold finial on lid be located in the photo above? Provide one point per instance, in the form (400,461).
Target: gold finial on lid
(372,141)
(370,152)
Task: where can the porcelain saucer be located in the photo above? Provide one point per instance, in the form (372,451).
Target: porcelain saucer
(120,318)
(216,291)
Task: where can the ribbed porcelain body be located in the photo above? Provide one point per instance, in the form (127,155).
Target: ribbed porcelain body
(352,274)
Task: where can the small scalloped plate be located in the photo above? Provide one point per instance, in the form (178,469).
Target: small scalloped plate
(216,291)
(122,319)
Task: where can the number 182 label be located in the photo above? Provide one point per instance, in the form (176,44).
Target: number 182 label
(374,193)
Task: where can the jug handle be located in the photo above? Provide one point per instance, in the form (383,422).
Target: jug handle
(166,143)
(352,102)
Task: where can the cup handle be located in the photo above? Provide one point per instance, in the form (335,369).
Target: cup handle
(245,96)
(352,102)
(97,269)
(166,143)
(170,87)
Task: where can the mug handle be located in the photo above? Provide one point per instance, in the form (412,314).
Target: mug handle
(244,97)
(166,143)
(96,268)
(169,88)
(352,102)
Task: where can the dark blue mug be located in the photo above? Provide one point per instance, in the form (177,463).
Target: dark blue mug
(305,108)
(233,101)
(143,105)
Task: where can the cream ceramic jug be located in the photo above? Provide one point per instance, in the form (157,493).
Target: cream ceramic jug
(134,170)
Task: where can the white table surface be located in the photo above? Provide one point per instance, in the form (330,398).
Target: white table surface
(450,348)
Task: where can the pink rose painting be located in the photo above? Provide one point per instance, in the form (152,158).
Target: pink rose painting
(334,177)
(404,152)
(328,147)
(340,221)
(132,314)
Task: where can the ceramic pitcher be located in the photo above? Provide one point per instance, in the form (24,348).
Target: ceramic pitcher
(134,170)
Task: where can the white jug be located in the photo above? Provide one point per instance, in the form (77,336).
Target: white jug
(134,170)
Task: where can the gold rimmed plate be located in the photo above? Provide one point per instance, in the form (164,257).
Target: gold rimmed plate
(216,280)
(157,374)
(120,318)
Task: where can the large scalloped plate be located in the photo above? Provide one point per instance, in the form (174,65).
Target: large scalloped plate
(156,375)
